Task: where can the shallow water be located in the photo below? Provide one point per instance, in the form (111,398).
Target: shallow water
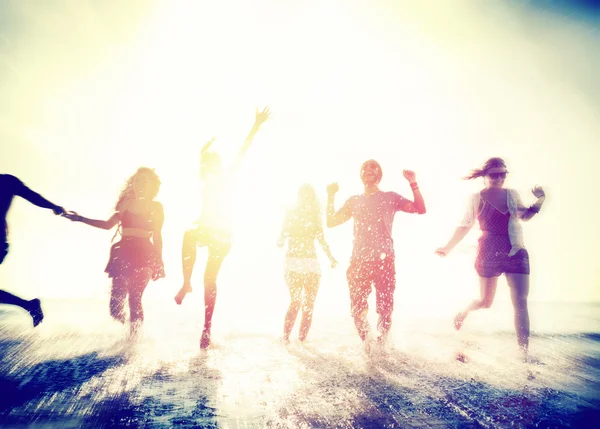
(78,369)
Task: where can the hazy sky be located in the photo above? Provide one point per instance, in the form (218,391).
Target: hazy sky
(89,91)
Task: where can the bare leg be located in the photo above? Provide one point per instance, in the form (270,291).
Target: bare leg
(213,266)
(487,290)
(295,289)
(9,298)
(311,287)
(118,292)
(33,307)
(137,286)
(519,291)
(188,259)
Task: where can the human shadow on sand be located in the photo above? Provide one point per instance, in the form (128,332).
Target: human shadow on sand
(47,379)
(398,390)
(170,397)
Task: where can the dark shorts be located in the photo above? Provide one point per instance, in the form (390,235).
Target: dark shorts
(130,256)
(217,241)
(362,275)
(493,260)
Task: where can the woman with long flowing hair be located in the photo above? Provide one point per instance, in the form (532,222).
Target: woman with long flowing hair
(501,249)
(137,256)
(302,226)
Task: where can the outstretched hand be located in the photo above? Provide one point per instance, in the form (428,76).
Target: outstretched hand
(262,116)
(442,251)
(538,192)
(333,262)
(409,175)
(71,215)
(332,189)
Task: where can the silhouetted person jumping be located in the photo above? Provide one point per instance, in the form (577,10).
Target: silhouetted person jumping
(501,249)
(10,186)
(213,227)
(302,226)
(372,261)
(137,257)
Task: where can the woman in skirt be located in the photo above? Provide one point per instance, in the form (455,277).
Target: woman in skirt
(500,249)
(301,227)
(137,257)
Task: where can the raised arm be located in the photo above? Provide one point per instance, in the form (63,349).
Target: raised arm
(34,198)
(343,215)
(207,146)
(102,224)
(418,205)
(526,213)
(260,118)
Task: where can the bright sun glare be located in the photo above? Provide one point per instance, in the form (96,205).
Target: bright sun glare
(164,101)
(341,88)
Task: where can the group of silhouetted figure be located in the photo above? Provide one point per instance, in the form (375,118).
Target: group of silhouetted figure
(137,257)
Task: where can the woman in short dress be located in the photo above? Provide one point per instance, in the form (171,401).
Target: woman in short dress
(137,257)
(213,229)
(301,227)
(500,249)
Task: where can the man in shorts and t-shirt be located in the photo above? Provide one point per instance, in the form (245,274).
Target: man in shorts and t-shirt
(372,261)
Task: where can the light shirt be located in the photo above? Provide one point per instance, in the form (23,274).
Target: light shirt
(373,218)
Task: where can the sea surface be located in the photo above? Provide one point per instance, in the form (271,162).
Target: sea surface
(80,369)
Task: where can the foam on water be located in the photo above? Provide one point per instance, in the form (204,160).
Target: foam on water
(78,368)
